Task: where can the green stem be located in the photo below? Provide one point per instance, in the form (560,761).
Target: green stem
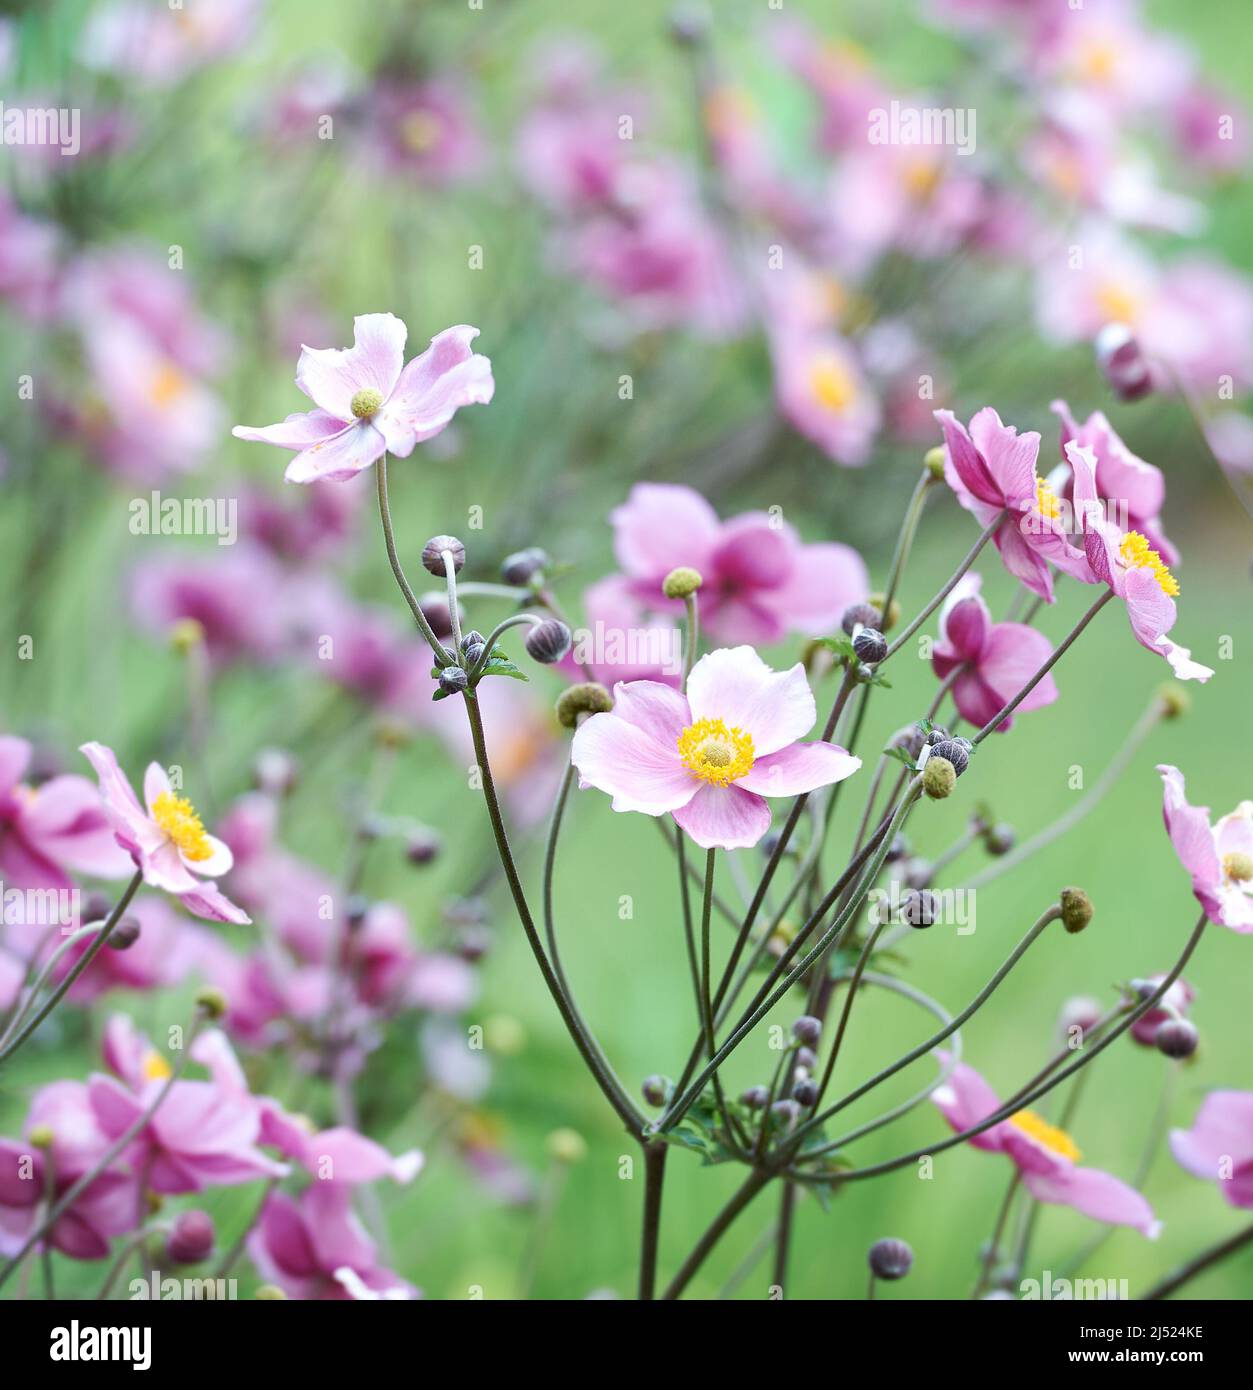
(654,1175)
(389,539)
(756,1180)
(1206,1260)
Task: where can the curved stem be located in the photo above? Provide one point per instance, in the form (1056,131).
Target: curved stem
(389,539)
(44,975)
(450,574)
(495,635)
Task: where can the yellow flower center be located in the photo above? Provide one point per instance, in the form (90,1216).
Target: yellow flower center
(177,817)
(1136,553)
(419,131)
(154,1067)
(832,386)
(1238,867)
(1117,303)
(921,177)
(1098,61)
(166,386)
(1038,1128)
(1046,500)
(715,753)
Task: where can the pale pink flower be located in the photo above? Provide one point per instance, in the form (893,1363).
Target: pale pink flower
(368,402)
(712,756)
(1219,1146)
(1219,857)
(159,44)
(822,391)
(423,130)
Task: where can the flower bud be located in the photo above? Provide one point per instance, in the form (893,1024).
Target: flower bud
(40,1137)
(433,555)
(870,645)
(472,652)
(807,1030)
(1122,360)
(807,1058)
(522,566)
(1175,700)
(999,839)
(755,1097)
(1080,1012)
(125,934)
(952,750)
(191,1239)
(274,771)
(355,910)
(566,1146)
(784,1114)
(682,582)
(859,615)
(1176,1038)
(453,679)
(423,846)
(96,907)
(939,777)
(549,641)
(1076,909)
(656,1089)
(585,698)
(933,462)
(898,850)
(689,23)
(805,1093)
(889,619)
(212,1002)
(890,1258)
(920,908)
(435,610)
(186,635)
(473,942)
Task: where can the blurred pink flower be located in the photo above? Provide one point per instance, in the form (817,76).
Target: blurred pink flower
(840,76)
(165,837)
(423,129)
(822,392)
(620,640)
(760,581)
(1211,128)
(1045,1156)
(1176,1000)
(1219,858)
(167,952)
(30,252)
(997,659)
(368,402)
(161,45)
(1219,1146)
(710,758)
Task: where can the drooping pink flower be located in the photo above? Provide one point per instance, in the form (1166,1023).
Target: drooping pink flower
(1123,481)
(1219,1146)
(712,756)
(998,659)
(1219,857)
(110,1204)
(1127,562)
(164,837)
(1044,1155)
(760,581)
(313,1247)
(992,469)
(369,402)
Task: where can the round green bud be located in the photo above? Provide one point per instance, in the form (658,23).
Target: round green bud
(682,582)
(1175,700)
(585,698)
(933,462)
(939,777)
(366,402)
(566,1146)
(891,617)
(40,1137)
(212,1002)
(1076,909)
(186,635)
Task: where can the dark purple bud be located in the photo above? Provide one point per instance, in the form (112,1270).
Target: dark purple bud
(423,847)
(523,565)
(549,641)
(806,1057)
(433,555)
(870,645)
(656,1090)
(755,1097)
(473,943)
(191,1239)
(953,750)
(805,1093)
(920,909)
(899,849)
(859,615)
(96,907)
(784,1113)
(918,872)
(453,680)
(999,839)
(435,610)
(1123,363)
(125,934)
(1176,1038)
(357,907)
(890,1258)
(807,1030)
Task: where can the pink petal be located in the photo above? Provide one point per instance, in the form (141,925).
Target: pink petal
(338,457)
(659,710)
(661,526)
(207,901)
(636,769)
(1022,560)
(14,759)
(330,377)
(977,702)
(65,820)
(966,623)
(965,1099)
(1012,655)
(1010,457)
(825,579)
(735,685)
(1096,1194)
(1221,1137)
(298,431)
(970,469)
(433,387)
(750,553)
(724,817)
(801,767)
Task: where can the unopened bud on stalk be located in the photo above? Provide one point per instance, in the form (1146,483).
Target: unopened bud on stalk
(682,582)
(212,1002)
(433,555)
(893,615)
(1080,1012)
(920,909)
(899,849)
(274,771)
(952,750)
(805,1093)
(807,1030)
(870,645)
(806,1058)
(186,635)
(548,642)
(125,934)
(1176,701)
(784,1113)
(522,566)
(191,1239)
(933,462)
(939,777)
(585,698)
(435,610)
(423,846)
(890,1258)
(656,1089)
(689,23)
(1176,1038)
(999,839)
(453,680)
(356,910)
(859,615)
(1123,363)
(1076,909)
(473,943)
(755,1097)
(918,872)
(40,1137)
(566,1146)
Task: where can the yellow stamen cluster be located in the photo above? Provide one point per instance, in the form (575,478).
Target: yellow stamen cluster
(1238,867)
(177,817)
(1038,1128)
(1116,303)
(921,178)
(1136,553)
(1046,501)
(715,753)
(166,386)
(832,386)
(154,1066)
(420,131)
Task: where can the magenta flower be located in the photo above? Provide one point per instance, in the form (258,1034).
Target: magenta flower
(1219,1146)
(168,951)
(1219,857)
(165,838)
(710,758)
(368,402)
(1133,569)
(992,468)
(760,580)
(1044,1155)
(313,1247)
(620,641)
(997,659)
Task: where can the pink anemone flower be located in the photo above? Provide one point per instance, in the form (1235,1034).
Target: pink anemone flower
(165,837)
(992,469)
(760,580)
(1219,857)
(712,756)
(1046,1156)
(995,660)
(1133,569)
(1219,1146)
(368,402)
